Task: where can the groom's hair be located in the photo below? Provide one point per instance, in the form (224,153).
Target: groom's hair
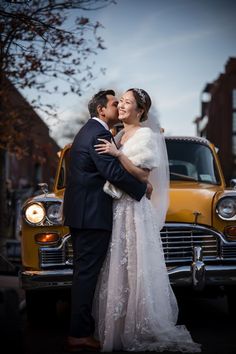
(99,99)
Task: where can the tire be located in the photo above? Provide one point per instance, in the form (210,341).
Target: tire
(41,307)
(231,300)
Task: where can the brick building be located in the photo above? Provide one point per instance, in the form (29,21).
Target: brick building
(217,121)
(39,160)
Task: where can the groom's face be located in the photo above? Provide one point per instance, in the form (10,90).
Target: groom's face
(110,111)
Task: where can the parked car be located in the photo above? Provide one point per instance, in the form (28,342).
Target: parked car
(199,236)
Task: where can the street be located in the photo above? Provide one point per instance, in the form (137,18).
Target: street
(206,319)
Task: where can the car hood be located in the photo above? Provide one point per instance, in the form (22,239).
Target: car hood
(49,197)
(188,198)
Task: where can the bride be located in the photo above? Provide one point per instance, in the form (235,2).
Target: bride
(135,308)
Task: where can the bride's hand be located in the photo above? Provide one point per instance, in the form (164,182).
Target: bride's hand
(149,190)
(107,148)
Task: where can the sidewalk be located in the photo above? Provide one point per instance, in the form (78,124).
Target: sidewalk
(12,304)
(12,282)
(9,280)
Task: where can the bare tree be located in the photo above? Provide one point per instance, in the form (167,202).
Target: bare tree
(42,43)
(40,46)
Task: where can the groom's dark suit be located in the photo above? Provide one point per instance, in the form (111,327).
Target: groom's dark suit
(88,213)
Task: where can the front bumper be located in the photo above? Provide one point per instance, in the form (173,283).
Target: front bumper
(213,275)
(195,256)
(191,275)
(45,279)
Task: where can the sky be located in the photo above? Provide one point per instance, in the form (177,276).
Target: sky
(170,48)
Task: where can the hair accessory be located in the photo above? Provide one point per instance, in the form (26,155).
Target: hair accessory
(141,94)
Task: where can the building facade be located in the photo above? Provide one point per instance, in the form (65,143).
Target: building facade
(217,121)
(36,162)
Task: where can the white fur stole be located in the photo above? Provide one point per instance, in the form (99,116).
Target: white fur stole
(141,149)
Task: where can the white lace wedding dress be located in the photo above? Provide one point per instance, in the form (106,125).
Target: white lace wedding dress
(135,308)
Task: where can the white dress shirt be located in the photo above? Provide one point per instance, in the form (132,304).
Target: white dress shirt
(101,122)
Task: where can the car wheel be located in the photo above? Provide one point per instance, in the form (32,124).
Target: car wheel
(231,300)
(41,307)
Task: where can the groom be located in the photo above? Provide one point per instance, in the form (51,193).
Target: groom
(88,212)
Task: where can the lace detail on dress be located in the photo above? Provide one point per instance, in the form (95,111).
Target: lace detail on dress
(135,308)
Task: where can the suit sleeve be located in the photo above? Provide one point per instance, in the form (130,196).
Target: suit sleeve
(110,168)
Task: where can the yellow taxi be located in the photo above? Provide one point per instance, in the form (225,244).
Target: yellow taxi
(199,236)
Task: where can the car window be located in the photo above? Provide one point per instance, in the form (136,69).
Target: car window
(191,161)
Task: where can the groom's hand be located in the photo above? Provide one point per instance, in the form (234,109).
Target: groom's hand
(149,190)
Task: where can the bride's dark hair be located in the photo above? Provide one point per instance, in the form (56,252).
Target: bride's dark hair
(143,101)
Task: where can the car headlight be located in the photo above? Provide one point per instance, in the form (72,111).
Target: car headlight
(54,213)
(226,208)
(35,213)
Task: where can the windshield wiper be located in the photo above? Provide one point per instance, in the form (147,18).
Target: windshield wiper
(187,178)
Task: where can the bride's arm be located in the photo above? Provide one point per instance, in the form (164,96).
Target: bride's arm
(109,148)
(138,172)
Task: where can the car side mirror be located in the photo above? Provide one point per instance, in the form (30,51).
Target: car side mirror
(43,187)
(233,183)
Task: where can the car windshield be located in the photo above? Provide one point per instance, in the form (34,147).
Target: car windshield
(191,161)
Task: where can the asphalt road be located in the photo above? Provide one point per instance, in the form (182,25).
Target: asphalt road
(206,318)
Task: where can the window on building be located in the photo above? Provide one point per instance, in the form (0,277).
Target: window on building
(234,99)
(234,122)
(234,145)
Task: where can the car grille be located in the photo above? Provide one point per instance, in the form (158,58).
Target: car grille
(57,256)
(229,252)
(178,241)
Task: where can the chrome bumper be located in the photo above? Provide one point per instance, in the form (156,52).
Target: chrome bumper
(196,275)
(199,274)
(45,279)
(213,275)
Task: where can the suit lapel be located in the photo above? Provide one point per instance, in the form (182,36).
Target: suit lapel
(101,126)
(112,138)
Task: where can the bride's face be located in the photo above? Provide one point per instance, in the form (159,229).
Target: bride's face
(127,108)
